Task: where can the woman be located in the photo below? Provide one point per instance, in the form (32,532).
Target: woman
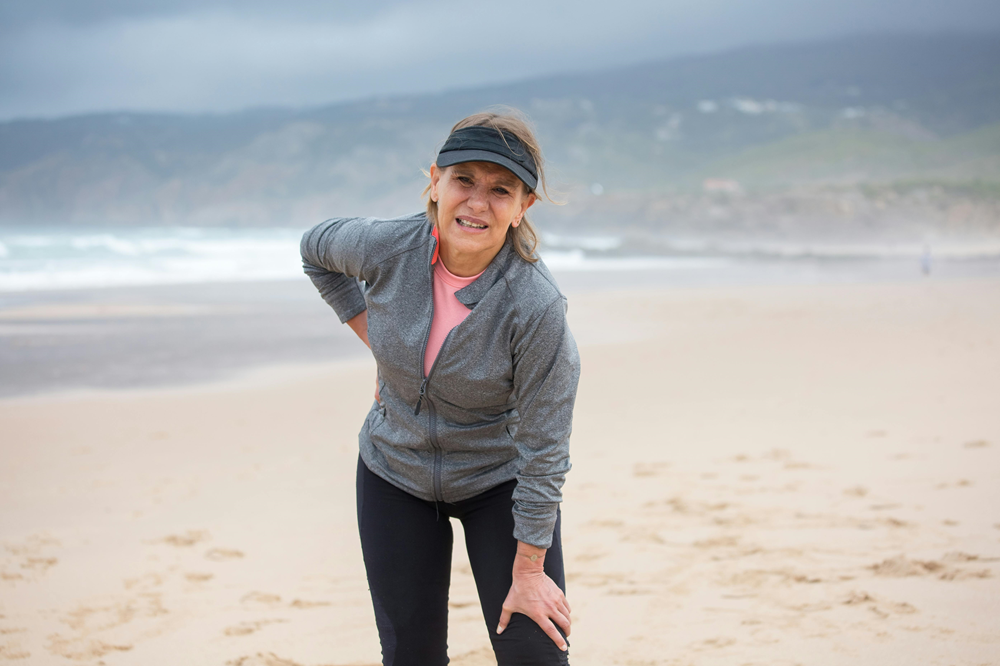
(477,375)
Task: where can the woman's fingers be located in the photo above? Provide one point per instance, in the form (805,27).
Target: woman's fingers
(504,620)
(563,607)
(537,596)
(562,620)
(553,633)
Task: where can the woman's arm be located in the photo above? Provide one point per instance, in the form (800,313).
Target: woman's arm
(333,256)
(359,324)
(536,595)
(546,373)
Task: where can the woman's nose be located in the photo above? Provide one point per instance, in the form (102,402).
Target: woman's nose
(479,198)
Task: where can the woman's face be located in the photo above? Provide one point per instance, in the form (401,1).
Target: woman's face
(476,203)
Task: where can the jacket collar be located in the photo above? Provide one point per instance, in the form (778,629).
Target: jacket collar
(437,244)
(475,292)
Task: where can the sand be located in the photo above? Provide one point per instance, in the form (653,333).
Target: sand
(762,475)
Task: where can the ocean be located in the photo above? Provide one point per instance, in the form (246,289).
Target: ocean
(75,258)
(59,258)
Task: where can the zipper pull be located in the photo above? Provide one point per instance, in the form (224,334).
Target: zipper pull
(423,389)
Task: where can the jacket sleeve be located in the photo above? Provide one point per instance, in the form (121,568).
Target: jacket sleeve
(546,374)
(333,254)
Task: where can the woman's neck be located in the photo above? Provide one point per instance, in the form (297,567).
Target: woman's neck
(464,264)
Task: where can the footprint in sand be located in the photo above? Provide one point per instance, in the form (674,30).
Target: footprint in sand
(261,600)
(247,628)
(717,542)
(28,560)
(39,564)
(185,540)
(756,578)
(902,567)
(881,608)
(271,659)
(611,524)
(195,577)
(961,483)
(75,650)
(222,554)
(647,469)
(628,591)
(715,643)
(259,659)
(590,556)
(302,604)
(144,582)
(13,652)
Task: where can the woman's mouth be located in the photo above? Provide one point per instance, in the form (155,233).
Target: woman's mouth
(469,224)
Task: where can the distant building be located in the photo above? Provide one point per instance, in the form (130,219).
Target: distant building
(721,186)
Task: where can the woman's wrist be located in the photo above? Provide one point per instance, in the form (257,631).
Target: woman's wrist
(529,559)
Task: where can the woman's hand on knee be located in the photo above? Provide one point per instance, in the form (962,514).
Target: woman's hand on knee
(536,595)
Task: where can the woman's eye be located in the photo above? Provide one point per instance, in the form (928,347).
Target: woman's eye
(500,190)
(465,180)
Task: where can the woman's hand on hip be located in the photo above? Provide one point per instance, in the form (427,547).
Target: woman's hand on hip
(359,324)
(536,595)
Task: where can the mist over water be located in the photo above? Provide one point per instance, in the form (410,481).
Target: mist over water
(81,258)
(92,258)
(75,258)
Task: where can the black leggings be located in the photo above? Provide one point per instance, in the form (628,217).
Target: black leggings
(407,549)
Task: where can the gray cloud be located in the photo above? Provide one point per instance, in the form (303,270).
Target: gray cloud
(61,57)
(75,12)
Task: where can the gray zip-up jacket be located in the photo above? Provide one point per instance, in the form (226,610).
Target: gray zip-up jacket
(498,402)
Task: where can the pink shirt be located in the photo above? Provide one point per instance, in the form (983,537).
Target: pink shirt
(449,312)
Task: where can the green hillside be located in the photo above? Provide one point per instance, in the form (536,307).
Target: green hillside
(852,155)
(861,112)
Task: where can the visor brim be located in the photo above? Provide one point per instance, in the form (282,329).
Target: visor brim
(453,157)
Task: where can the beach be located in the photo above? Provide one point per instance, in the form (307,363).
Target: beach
(770,473)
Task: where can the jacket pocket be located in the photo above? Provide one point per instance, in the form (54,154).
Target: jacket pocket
(376,417)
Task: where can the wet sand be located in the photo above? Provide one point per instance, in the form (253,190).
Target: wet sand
(181,335)
(772,474)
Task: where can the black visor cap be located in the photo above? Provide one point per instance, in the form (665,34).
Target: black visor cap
(487,144)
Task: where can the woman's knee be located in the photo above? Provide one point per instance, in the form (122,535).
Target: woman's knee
(523,643)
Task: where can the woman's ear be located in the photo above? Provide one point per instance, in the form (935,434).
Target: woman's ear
(435,177)
(527,203)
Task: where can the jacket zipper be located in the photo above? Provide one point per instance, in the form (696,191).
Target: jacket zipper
(431,416)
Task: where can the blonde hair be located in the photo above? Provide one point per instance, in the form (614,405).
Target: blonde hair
(523,237)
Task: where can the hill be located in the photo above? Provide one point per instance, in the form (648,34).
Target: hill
(865,113)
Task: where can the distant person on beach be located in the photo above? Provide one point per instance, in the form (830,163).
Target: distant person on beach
(477,376)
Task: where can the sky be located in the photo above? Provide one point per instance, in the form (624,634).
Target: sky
(66,57)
